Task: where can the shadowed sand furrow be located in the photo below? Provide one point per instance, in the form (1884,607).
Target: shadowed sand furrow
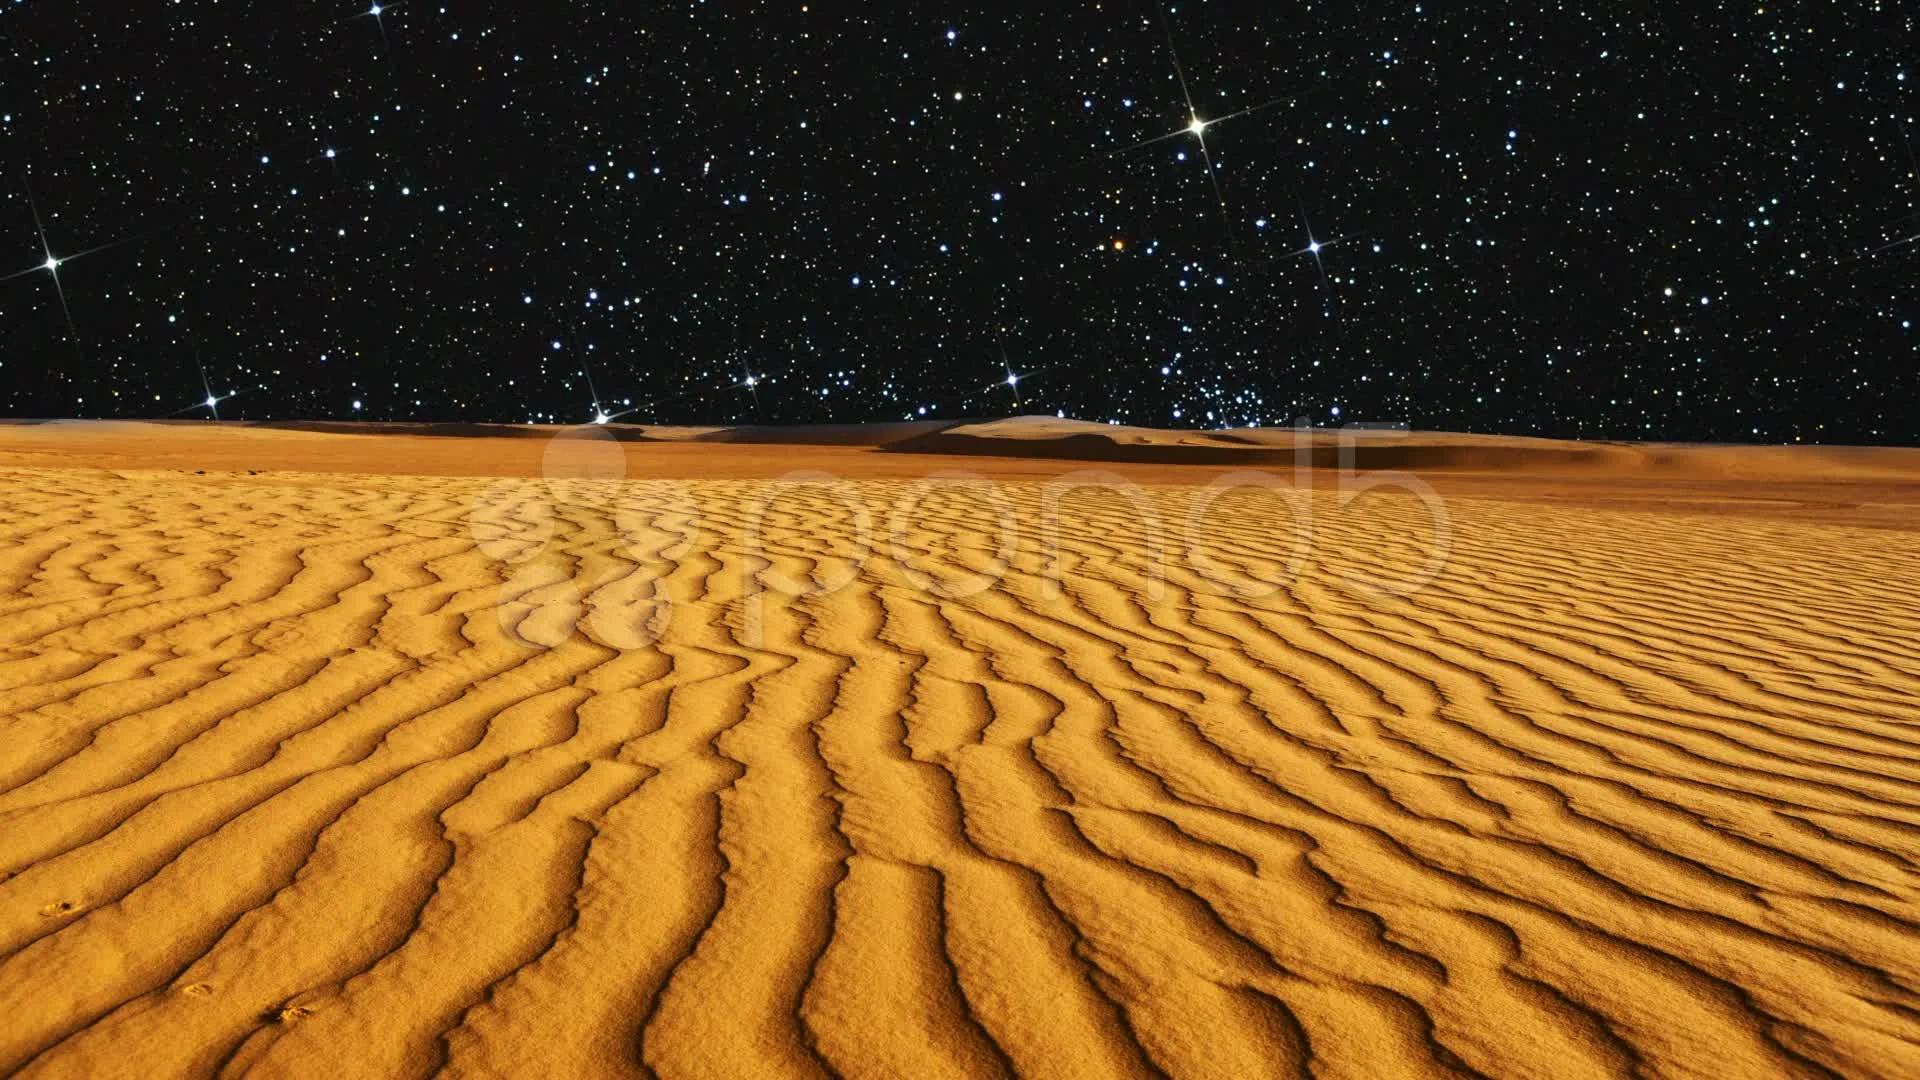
(599,777)
(271,840)
(734,1003)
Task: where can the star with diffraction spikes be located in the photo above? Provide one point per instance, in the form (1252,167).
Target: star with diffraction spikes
(600,413)
(1013,379)
(1316,247)
(212,401)
(50,263)
(378,12)
(1196,126)
(751,383)
(211,404)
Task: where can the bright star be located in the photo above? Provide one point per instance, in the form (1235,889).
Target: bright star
(1197,126)
(1012,379)
(1314,247)
(375,12)
(52,263)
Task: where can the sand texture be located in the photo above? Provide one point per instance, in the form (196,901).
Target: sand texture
(356,773)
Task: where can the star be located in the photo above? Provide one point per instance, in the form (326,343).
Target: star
(1013,378)
(51,264)
(749,382)
(211,404)
(1196,125)
(212,401)
(1313,243)
(378,12)
(600,414)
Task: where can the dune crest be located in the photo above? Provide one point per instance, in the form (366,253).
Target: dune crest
(385,774)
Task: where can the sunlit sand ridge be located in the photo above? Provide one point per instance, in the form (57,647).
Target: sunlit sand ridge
(362,775)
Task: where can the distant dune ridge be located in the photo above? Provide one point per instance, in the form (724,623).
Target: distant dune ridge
(515,449)
(376,754)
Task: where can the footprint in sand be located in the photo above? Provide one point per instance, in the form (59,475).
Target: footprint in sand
(287,1014)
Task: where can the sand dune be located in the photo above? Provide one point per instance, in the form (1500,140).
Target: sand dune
(1028,445)
(368,774)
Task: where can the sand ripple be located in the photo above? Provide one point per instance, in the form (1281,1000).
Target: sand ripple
(370,776)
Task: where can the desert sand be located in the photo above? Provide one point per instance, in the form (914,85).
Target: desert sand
(374,753)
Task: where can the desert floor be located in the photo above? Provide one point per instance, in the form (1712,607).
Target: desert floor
(366,755)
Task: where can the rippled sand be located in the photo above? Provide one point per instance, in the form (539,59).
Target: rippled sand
(333,773)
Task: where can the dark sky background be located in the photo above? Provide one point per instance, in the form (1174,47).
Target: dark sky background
(1624,220)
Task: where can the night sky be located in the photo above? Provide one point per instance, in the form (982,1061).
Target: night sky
(1620,220)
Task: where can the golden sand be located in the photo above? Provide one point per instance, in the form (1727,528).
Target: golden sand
(331,769)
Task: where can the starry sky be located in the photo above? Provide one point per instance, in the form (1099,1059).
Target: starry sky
(1615,220)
